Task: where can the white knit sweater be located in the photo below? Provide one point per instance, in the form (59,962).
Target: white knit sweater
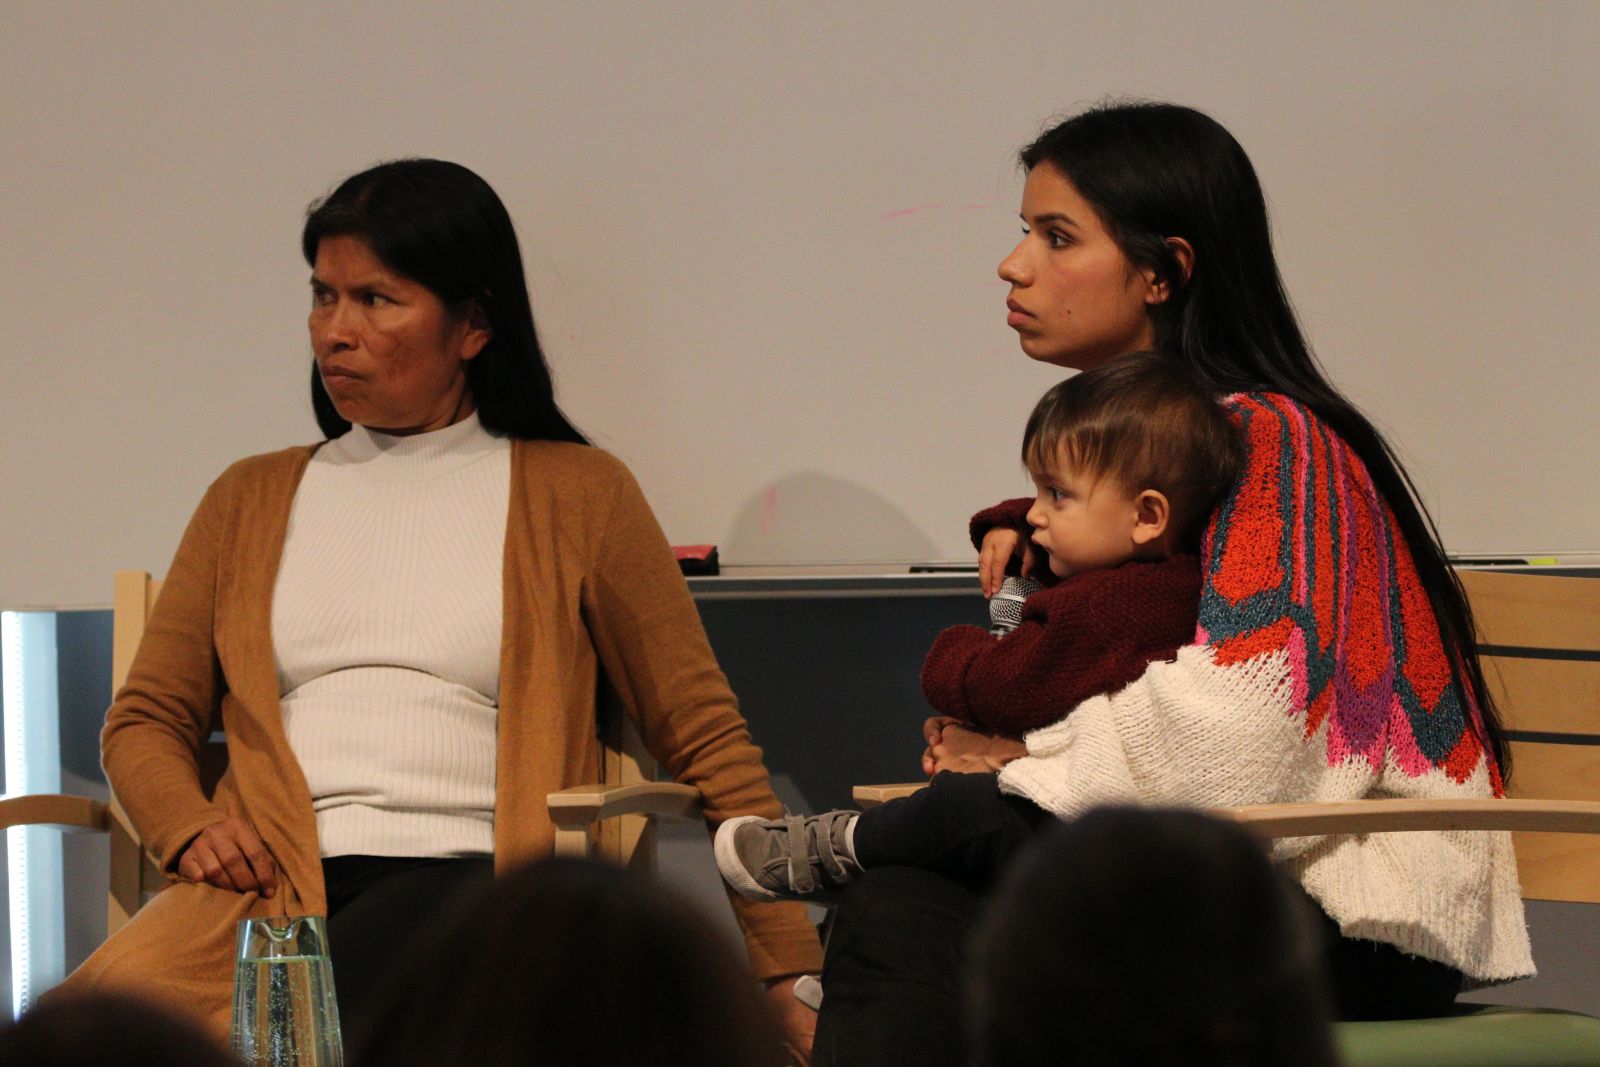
(1317,674)
(1449,896)
(386,624)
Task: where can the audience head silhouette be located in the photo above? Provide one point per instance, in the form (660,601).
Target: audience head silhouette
(108,1030)
(572,962)
(1149,936)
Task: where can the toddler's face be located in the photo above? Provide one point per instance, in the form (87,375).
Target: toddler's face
(1083,521)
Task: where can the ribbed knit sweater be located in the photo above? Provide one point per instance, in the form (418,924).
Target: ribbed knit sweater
(1093,633)
(1317,673)
(589,584)
(386,629)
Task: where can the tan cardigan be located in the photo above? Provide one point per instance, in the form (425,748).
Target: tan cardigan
(590,583)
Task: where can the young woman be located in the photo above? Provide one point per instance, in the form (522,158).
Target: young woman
(1334,653)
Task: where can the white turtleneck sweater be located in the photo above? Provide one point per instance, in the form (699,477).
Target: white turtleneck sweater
(386,623)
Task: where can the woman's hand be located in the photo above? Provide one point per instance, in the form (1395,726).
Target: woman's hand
(999,545)
(230,855)
(797,1021)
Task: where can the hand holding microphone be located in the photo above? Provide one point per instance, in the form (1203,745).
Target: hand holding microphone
(1005,607)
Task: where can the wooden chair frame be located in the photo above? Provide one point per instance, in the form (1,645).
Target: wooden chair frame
(614,818)
(133,872)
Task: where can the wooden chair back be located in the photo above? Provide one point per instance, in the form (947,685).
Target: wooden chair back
(614,818)
(1539,641)
(626,840)
(134,875)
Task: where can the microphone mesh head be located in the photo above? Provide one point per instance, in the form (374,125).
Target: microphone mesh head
(1005,607)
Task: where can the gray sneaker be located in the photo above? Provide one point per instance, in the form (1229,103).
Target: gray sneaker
(798,857)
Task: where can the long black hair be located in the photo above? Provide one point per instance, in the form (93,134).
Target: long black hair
(442,226)
(1154,171)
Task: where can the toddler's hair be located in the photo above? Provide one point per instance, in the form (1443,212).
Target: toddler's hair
(1145,420)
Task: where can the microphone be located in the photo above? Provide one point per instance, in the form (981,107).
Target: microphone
(1005,607)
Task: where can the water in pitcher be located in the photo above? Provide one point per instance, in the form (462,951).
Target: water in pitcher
(284,1011)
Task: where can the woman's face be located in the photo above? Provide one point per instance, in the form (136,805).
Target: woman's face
(1076,300)
(392,357)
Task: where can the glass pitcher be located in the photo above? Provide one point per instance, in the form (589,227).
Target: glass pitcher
(284,1011)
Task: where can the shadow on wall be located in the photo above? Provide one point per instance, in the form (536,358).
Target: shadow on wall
(811,517)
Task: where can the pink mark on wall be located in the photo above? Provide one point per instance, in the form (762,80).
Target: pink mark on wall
(981,205)
(769,509)
(903,212)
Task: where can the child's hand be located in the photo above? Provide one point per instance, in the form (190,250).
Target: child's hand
(955,746)
(999,545)
(933,729)
(969,763)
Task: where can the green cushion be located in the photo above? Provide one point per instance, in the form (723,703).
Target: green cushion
(1478,1036)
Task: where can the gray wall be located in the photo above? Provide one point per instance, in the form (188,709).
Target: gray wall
(762,237)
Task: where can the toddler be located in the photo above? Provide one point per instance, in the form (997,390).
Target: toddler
(1128,460)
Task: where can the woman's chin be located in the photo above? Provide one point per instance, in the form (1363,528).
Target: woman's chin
(357,414)
(1041,353)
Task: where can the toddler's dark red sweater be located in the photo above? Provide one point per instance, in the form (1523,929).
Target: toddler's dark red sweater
(1092,633)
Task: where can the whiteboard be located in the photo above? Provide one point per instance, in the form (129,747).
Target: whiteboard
(761,242)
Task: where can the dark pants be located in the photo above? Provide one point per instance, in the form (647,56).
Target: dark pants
(894,971)
(1372,980)
(376,905)
(892,978)
(961,826)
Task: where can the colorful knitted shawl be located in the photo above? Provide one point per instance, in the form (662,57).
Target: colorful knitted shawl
(1304,556)
(1317,674)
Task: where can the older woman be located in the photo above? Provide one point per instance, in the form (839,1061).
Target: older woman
(401,629)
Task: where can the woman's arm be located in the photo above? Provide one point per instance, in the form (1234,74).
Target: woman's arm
(653,647)
(164,711)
